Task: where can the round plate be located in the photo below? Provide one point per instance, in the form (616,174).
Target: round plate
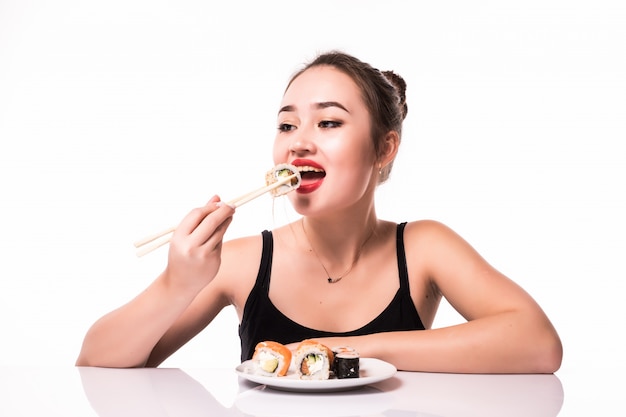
(370,371)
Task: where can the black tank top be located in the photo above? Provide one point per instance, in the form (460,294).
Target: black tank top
(263,321)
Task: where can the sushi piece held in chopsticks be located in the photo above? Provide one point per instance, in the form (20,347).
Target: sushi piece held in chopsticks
(280,172)
(271,359)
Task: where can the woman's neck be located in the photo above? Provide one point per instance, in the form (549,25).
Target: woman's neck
(338,241)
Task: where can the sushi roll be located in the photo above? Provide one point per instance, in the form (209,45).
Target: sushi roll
(313,360)
(346,362)
(271,359)
(279,172)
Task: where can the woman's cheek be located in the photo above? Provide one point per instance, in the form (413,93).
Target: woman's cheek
(279,153)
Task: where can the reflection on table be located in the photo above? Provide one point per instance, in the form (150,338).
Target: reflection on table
(167,392)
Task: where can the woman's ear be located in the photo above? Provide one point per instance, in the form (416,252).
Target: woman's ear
(391,143)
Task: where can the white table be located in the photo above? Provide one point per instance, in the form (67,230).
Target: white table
(75,391)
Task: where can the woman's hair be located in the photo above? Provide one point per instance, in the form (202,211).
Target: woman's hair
(384,93)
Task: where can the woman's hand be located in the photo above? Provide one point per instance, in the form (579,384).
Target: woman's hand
(195,249)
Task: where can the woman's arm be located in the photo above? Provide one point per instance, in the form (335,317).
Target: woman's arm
(496,344)
(506,330)
(127,336)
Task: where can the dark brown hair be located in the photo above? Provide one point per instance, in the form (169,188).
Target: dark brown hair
(384,94)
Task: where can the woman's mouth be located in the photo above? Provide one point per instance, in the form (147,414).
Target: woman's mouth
(312,178)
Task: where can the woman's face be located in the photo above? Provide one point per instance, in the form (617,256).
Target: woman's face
(324,127)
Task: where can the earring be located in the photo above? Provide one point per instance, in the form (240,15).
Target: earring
(380,169)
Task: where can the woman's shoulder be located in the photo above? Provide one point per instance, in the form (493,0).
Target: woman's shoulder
(246,251)
(243,243)
(431,235)
(426,228)
(240,254)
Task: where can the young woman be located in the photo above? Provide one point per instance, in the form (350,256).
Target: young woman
(338,274)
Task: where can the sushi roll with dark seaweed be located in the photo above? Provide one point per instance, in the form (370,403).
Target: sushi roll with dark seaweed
(346,362)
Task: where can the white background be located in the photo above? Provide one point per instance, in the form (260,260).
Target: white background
(118,117)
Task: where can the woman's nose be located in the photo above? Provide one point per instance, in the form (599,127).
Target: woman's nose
(301,143)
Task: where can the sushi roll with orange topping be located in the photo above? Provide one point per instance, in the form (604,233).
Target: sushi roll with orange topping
(271,359)
(313,360)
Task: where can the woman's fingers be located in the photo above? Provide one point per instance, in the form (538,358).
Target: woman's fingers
(195,250)
(204,225)
(191,221)
(210,231)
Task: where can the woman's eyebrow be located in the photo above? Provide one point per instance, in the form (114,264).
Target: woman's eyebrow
(286,108)
(325,104)
(320,105)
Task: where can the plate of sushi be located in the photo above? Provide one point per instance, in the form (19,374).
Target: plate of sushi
(312,367)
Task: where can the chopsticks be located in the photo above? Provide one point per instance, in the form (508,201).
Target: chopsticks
(156,240)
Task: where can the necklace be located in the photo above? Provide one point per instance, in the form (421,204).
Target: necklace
(347,271)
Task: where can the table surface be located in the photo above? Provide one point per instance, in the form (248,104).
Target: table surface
(83,391)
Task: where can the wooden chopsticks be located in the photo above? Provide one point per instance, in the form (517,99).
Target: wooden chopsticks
(156,240)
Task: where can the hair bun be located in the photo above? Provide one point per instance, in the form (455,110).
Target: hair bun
(400,86)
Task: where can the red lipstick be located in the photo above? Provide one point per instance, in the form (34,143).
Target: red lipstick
(312,175)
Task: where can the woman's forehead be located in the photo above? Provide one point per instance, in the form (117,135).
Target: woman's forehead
(322,84)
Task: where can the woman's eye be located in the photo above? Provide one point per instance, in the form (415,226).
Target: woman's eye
(327,124)
(285,127)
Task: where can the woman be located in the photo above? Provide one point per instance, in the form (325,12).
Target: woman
(339,274)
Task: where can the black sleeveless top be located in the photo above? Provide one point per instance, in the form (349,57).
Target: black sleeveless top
(263,321)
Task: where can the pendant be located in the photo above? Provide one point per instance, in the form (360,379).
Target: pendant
(332,281)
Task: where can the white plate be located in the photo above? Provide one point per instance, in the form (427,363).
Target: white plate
(370,371)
